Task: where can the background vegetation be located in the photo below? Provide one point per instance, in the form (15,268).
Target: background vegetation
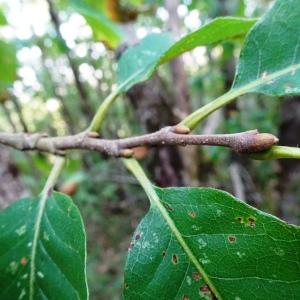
(57,63)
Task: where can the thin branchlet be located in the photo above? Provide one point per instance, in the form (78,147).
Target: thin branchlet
(244,142)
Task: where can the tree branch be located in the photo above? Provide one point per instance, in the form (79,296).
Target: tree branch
(244,142)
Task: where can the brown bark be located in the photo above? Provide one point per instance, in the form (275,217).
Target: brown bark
(244,142)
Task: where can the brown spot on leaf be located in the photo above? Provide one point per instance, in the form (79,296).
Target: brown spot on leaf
(232,239)
(251,221)
(192,214)
(175,259)
(185,297)
(131,246)
(23,261)
(196,276)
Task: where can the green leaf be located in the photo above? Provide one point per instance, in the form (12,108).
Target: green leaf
(138,63)
(269,62)
(240,252)
(270,59)
(42,250)
(103,28)
(218,30)
(8,64)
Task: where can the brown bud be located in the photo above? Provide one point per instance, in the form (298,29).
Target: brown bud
(140,152)
(255,142)
(69,188)
(127,153)
(93,134)
(252,142)
(263,141)
(181,129)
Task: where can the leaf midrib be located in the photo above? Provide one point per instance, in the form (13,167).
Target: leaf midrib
(197,116)
(133,165)
(37,227)
(263,80)
(156,201)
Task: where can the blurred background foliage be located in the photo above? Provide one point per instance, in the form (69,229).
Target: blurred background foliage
(57,63)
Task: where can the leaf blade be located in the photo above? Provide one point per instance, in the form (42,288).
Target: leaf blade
(237,245)
(269,62)
(138,63)
(271,55)
(217,30)
(59,258)
(103,28)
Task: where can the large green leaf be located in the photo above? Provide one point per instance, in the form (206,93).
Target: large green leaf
(270,59)
(239,251)
(103,28)
(138,63)
(42,250)
(8,63)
